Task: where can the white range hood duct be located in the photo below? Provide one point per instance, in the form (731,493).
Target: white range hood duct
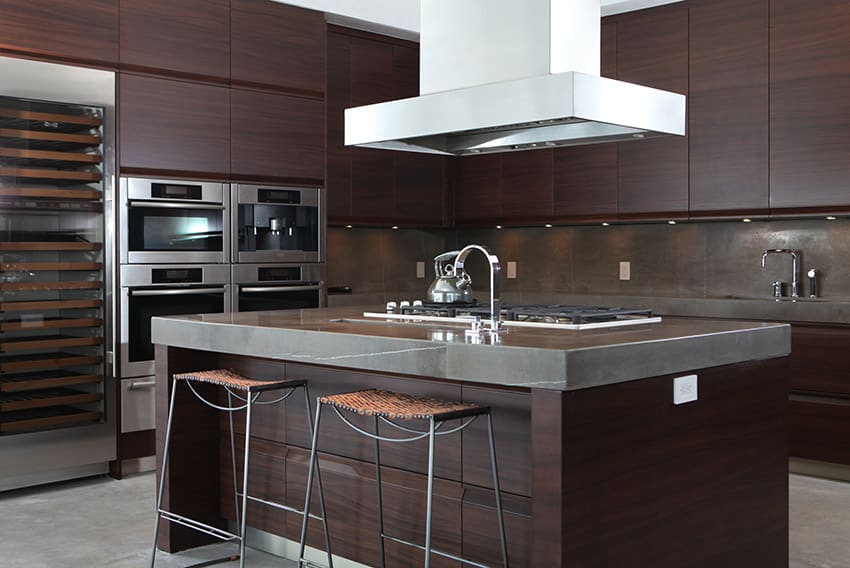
(507,75)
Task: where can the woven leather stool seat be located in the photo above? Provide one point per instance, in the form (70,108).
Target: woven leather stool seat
(228,378)
(400,406)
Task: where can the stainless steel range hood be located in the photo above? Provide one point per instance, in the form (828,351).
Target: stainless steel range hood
(502,75)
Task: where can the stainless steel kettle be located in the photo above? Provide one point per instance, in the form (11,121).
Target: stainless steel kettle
(449,287)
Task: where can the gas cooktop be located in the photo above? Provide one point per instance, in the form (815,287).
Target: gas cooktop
(553,316)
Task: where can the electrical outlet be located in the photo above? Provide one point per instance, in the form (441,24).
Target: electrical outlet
(684,389)
(511,269)
(420,269)
(625,270)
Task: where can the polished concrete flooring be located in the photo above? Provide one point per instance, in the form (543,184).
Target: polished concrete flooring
(100,523)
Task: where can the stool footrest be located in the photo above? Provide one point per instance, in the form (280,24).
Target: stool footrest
(199,526)
(279,506)
(434,551)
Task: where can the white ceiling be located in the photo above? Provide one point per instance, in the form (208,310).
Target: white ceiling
(400,18)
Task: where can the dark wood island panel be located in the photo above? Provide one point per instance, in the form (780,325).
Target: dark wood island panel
(613,475)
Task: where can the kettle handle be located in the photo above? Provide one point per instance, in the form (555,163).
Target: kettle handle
(444,257)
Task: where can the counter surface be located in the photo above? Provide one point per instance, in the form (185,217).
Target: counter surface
(532,358)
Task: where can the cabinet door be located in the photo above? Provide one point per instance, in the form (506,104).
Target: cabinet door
(173,125)
(277,136)
(585,177)
(83,30)
(190,36)
(338,181)
(728,106)
(526,186)
(809,104)
(278,45)
(476,183)
(652,50)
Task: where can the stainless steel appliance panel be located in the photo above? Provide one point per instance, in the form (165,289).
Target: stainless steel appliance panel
(260,287)
(138,404)
(169,221)
(162,290)
(277,224)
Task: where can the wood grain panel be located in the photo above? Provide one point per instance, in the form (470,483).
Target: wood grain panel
(372,65)
(418,189)
(173,125)
(190,37)
(82,30)
(585,182)
(809,104)
(405,71)
(819,427)
(608,37)
(652,50)
(278,45)
(338,181)
(728,106)
(276,136)
(526,189)
(820,360)
(477,189)
(372,184)
(481,528)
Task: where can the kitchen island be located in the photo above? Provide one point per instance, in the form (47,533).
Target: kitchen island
(599,467)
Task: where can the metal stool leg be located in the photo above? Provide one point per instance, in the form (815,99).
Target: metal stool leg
(380,500)
(497,489)
(309,492)
(430,496)
(321,490)
(165,453)
(249,405)
(233,460)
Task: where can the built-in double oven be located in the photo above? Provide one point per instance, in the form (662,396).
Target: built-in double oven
(190,247)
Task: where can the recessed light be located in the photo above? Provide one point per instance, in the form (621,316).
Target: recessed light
(349,226)
(498,226)
(548,225)
(747,220)
(831,218)
(638,136)
(671,222)
(606,224)
(395,227)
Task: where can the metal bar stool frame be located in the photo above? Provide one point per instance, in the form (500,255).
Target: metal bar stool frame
(251,398)
(435,422)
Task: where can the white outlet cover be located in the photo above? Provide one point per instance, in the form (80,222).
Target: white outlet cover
(685,389)
(511,269)
(625,270)
(420,269)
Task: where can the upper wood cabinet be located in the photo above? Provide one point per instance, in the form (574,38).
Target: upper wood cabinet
(728,106)
(652,50)
(173,126)
(191,37)
(476,183)
(526,188)
(81,30)
(338,180)
(276,136)
(277,45)
(809,104)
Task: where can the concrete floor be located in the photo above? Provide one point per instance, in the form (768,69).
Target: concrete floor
(100,523)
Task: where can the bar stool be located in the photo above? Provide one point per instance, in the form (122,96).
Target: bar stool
(253,389)
(386,406)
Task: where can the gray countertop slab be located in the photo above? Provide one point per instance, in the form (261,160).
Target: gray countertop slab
(540,358)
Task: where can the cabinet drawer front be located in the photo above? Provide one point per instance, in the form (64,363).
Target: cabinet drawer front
(820,360)
(820,429)
(138,404)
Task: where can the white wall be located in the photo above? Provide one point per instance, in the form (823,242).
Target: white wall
(401,17)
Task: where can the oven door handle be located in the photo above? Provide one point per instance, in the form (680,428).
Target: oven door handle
(177,292)
(261,289)
(175,205)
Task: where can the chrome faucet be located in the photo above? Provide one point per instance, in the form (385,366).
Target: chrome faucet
(495,323)
(794,273)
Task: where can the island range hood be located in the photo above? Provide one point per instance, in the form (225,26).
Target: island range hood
(502,76)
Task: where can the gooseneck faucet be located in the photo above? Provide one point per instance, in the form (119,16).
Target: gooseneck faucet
(795,275)
(495,275)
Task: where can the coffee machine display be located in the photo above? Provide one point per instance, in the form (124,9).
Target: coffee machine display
(277,224)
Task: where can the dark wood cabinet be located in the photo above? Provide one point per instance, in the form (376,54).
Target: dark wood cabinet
(190,37)
(77,30)
(526,188)
(809,105)
(728,107)
(585,182)
(277,45)
(367,186)
(477,189)
(652,50)
(173,126)
(277,137)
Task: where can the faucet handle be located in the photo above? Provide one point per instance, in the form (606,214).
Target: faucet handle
(813,283)
(777,289)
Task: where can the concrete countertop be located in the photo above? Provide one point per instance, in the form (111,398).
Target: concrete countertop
(539,358)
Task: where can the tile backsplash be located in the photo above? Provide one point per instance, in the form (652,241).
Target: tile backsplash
(699,260)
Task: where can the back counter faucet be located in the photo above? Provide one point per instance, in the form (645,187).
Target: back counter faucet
(495,274)
(795,274)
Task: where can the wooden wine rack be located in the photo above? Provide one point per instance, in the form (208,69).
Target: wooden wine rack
(51,283)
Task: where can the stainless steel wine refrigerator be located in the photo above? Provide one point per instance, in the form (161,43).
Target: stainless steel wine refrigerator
(57,178)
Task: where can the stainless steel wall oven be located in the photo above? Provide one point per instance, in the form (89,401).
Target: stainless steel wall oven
(164,290)
(278,224)
(258,287)
(164,221)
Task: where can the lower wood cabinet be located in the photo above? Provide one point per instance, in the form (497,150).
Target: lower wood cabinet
(820,428)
